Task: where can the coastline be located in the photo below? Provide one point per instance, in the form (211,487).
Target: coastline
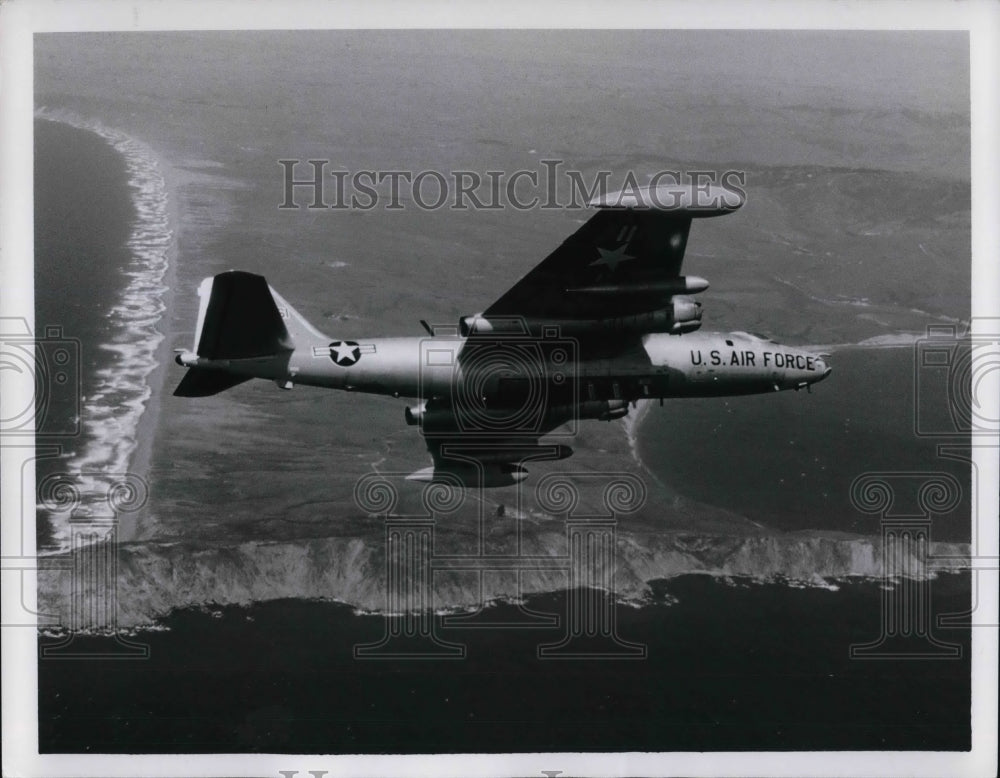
(339,569)
(135,526)
(632,424)
(139,525)
(113,466)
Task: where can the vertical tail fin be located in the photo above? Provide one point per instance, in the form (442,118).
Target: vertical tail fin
(240,318)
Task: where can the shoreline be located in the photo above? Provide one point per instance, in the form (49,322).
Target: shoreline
(114,457)
(632,424)
(339,569)
(134,526)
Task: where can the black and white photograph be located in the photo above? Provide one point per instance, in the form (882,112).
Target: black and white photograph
(428,392)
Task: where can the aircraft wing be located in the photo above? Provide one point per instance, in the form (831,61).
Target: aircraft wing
(483,456)
(626,258)
(462,458)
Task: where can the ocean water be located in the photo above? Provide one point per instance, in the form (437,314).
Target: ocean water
(729,665)
(101,243)
(83,217)
(788,461)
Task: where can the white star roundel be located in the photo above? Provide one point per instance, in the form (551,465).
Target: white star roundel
(345,352)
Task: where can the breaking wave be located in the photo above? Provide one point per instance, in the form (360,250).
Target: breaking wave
(630,426)
(889,340)
(110,413)
(154,579)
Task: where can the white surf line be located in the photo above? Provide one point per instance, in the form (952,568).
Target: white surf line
(863,302)
(111,411)
(889,340)
(630,426)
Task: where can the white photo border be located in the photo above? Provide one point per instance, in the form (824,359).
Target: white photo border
(21,19)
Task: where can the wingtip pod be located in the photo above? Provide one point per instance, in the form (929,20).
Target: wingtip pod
(692,200)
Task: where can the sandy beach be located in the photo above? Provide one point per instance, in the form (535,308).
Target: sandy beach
(134,526)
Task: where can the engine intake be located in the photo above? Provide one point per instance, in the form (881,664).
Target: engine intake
(685,314)
(501,325)
(415,414)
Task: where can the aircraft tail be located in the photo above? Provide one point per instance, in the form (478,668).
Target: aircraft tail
(240,318)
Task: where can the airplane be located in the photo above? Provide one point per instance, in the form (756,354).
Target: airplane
(605,320)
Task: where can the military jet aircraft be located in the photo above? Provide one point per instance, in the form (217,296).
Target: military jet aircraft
(605,320)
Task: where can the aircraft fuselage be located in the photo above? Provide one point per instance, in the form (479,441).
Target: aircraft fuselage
(657,365)
(606,319)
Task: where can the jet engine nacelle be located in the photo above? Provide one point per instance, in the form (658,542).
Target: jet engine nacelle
(506,453)
(604,410)
(639,290)
(483,476)
(431,419)
(617,409)
(502,325)
(415,414)
(685,314)
(438,419)
(682,314)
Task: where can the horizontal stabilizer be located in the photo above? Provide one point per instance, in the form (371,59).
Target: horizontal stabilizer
(199,382)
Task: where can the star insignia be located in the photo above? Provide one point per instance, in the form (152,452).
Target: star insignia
(345,353)
(612,257)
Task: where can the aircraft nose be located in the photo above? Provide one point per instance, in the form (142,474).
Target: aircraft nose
(824,367)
